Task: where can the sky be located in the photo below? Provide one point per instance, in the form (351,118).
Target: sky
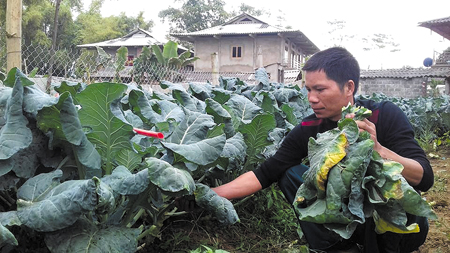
(398,19)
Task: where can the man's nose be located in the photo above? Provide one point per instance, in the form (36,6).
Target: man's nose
(312,98)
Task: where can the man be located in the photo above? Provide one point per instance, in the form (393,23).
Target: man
(332,78)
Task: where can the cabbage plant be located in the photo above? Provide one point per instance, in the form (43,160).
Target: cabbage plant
(348,182)
(74,169)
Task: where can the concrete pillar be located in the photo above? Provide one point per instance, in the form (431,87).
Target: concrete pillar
(447,85)
(215,68)
(260,59)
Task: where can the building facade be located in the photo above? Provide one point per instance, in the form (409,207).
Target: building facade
(245,43)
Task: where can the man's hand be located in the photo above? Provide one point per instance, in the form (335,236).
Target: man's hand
(413,171)
(366,125)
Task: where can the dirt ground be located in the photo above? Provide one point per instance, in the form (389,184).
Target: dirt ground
(438,239)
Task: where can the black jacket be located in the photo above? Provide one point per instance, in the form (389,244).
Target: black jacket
(394,132)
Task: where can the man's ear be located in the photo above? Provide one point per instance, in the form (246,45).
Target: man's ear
(350,87)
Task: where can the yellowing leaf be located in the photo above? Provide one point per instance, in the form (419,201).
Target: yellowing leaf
(382,226)
(331,158)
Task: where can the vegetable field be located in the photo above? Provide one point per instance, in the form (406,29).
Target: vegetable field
(77,174)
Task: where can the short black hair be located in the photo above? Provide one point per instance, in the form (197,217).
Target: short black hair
(338,64)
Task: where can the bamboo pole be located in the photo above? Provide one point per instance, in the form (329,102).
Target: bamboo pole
(13,34)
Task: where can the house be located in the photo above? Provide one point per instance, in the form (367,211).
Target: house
(134,42)
(411,82)
(404,82)
(245,43)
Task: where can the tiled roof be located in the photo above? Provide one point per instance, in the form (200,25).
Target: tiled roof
(440,26)
(436,21)
(246,24)
(250,28)
(406,73)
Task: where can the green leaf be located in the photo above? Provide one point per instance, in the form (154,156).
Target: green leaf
(266,100)
(201,91)
(14,135)
(121,58)
(243,110)
(201,152)
(284,96)
(2,77)
(72,88)
(60,207)
(289,112)
(129,158)
(84,236)
(359,112)
(192,129)
(220,207)
(14,76)
(169,178)
(85,152)
(109,134)
(221,96)
(255,136)
(323,154)
(124,182)
(170,50)
(217,111)
(35,188)
(6,237)
(414,204)
(154,111)
(317,212)
(159,55)
(35,99)
(262,77)
(183,97)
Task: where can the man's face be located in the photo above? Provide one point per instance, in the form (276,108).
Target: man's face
(325,96)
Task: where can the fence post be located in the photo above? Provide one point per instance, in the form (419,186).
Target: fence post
(13,34)
(215,68)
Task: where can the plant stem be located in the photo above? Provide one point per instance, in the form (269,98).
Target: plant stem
(136,217)
(243,201)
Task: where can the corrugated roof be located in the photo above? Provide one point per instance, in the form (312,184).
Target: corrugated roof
(138,37)
(440,26)
(406,73)
(247,24)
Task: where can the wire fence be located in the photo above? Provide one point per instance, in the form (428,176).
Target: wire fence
(90,65)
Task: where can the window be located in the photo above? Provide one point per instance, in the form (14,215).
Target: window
(236,52)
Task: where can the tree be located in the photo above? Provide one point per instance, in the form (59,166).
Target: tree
(128,24)
(245,8)
(338,33)
(53,48)
(92,27)
(2,34)
(378,41)
(195,15)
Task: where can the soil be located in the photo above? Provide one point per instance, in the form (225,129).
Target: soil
(195,230)
(438,239)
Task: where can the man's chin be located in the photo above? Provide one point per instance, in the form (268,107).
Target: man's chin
(319,115)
